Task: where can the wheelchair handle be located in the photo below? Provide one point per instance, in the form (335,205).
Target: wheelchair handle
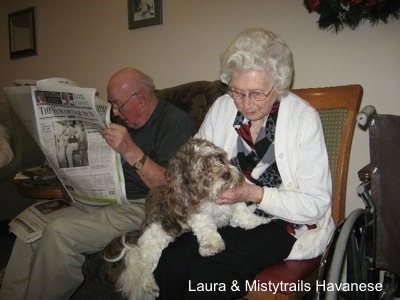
(364,115)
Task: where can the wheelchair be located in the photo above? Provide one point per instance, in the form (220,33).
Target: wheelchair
(362,259)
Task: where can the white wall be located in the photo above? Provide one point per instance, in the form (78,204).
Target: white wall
(87,41)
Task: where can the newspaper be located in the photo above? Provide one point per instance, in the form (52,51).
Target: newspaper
(29,224)
(65,120)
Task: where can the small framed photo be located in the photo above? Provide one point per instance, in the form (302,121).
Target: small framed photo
(143,13)
(21,33)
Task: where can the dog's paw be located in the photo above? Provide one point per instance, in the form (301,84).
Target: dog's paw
(262,220)
(250,222)
(211,248)
(151,287)
(245,217)
(265,220)
(256,221)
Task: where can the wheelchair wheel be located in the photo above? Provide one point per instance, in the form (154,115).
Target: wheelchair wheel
(326,260)
(350,257)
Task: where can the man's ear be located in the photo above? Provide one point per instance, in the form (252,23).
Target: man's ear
(142,98)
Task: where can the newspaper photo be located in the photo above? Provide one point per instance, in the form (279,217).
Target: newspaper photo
(66,120)
(29,224)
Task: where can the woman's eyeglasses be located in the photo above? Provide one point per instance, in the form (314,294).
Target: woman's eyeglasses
(252,95)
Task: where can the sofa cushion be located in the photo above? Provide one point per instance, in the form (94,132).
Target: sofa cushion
(194,97)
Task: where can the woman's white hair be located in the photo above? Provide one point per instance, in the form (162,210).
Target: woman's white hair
(259,49)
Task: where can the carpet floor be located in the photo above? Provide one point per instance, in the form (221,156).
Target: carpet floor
(89,290)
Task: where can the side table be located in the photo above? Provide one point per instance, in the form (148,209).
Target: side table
(39,187)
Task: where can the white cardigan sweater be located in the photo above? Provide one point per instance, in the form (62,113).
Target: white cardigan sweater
(304,197)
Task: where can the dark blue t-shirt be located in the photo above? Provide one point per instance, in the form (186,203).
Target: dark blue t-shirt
(166,130)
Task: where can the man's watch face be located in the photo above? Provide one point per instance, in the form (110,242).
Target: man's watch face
(138,165)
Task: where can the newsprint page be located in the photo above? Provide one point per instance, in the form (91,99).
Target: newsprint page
(66,120)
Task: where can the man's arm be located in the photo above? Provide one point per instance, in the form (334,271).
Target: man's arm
(118,138)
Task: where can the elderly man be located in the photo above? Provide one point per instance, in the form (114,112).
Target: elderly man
(51,268)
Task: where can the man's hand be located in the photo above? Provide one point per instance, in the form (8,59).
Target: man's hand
(118,138)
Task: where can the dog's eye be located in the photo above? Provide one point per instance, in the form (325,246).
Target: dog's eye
(220,159)
(226,176)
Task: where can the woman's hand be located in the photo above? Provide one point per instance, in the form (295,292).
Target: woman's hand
(244,192)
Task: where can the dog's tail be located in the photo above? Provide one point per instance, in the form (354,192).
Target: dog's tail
(136,281)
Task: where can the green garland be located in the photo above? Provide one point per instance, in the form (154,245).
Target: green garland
(335,15)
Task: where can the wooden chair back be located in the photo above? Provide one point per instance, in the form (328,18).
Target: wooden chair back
(338,107)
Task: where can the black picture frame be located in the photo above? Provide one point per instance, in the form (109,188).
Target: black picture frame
(143,13)
(22,33)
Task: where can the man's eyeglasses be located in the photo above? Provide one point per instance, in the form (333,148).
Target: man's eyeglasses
(253,95)
(119,108)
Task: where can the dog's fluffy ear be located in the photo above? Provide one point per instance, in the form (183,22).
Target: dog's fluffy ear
(180,204)
(183,173)
(192,163)
(179,182)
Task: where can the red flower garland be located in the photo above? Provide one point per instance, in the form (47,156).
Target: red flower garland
(337,14)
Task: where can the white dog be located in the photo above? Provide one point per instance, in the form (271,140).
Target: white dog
(195,176)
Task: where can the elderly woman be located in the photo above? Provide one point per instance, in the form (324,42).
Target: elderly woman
(276,140)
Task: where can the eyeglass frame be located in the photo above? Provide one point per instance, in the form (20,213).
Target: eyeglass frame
(119,108)
(242,94)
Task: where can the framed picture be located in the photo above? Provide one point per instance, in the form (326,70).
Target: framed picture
(21,33)
(143,13)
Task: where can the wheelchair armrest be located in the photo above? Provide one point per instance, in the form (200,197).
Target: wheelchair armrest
(364,174)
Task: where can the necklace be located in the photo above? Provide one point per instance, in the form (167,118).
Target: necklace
(257,129)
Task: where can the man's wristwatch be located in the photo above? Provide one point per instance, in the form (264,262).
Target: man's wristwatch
(140,163)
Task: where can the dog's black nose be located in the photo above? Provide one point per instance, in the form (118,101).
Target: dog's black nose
(226,176)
